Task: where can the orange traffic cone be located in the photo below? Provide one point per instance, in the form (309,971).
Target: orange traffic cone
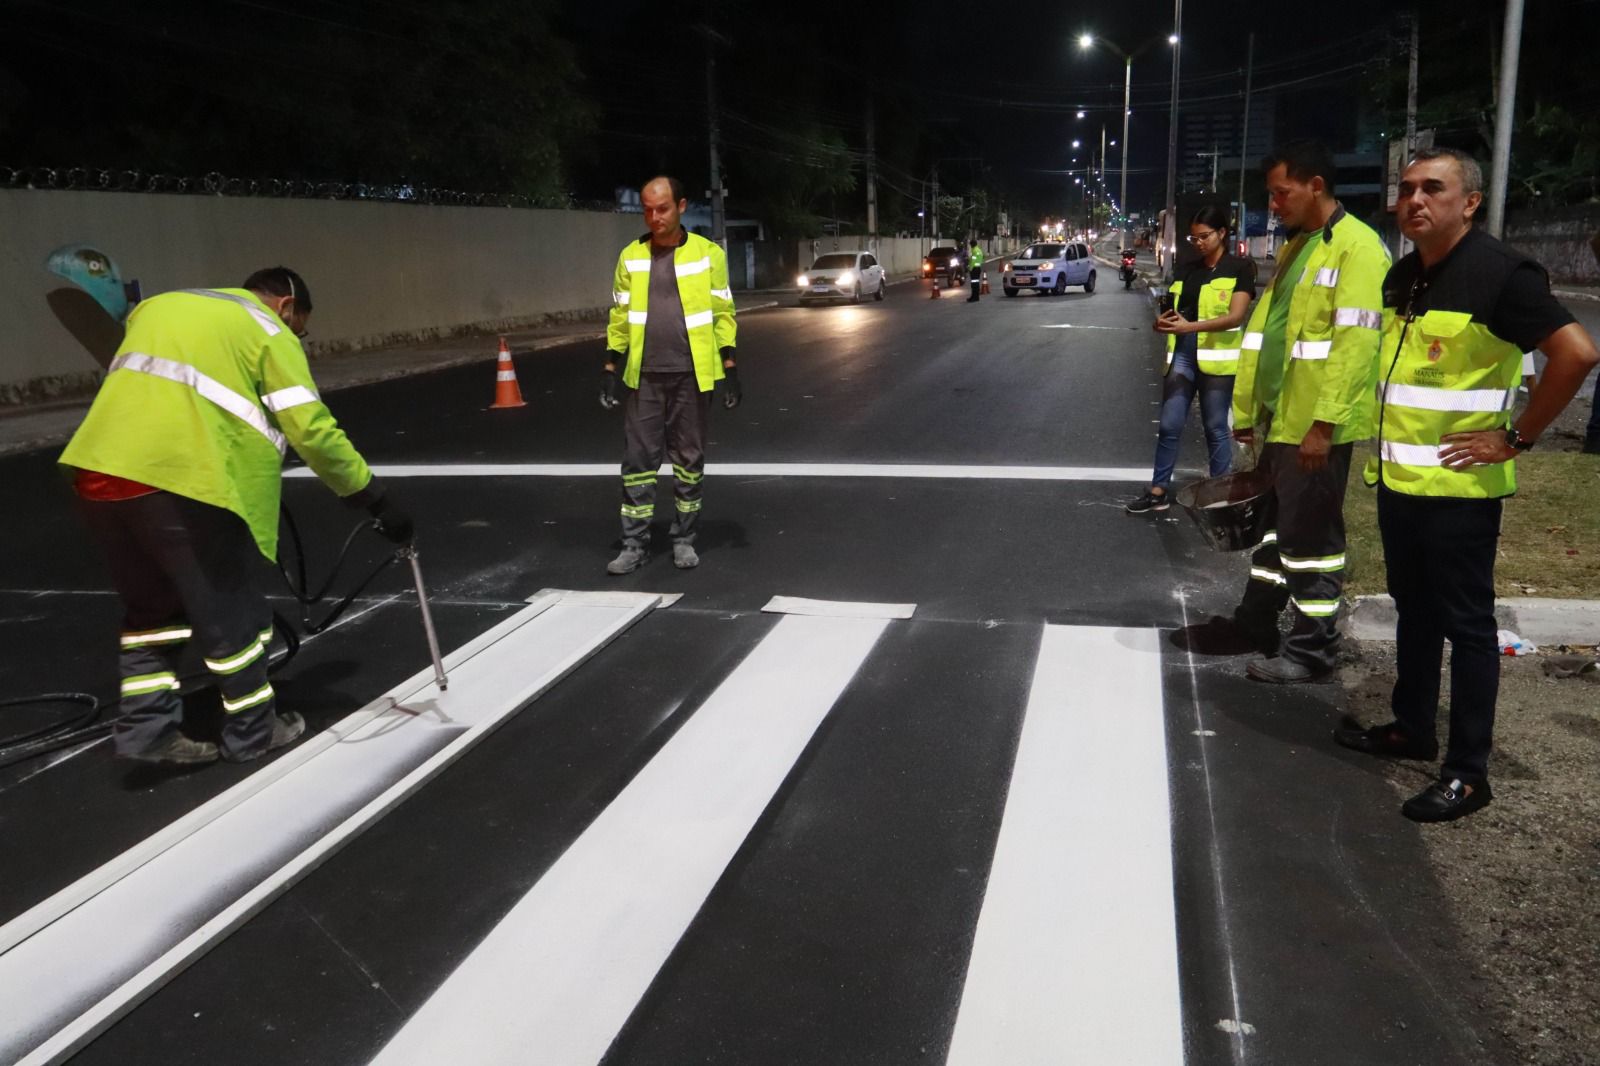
(933,287)
(507,393)
(985,286)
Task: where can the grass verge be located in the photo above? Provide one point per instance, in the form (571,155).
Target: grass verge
(1549,538)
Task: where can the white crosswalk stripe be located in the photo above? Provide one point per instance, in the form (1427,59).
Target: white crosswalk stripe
(1078,907)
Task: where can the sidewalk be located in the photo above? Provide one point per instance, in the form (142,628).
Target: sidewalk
(40,426)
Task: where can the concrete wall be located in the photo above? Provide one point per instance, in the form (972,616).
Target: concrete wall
(379,272)
(1560,242)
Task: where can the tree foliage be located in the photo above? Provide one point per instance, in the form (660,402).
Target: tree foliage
(475,95)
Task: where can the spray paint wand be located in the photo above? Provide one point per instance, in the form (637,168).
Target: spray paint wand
(409,552)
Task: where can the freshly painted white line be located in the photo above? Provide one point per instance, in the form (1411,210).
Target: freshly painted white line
(1223,923)
(49,910)
(1076,956)
(150,913)
(838,608)
(884,470)
(1070,325)
(610,598)
(554,982)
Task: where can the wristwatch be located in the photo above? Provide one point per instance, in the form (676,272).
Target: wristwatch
(1517,440)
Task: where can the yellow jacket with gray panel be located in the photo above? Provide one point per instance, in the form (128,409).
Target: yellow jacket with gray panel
(205,394)
(702,269)
(1330,342)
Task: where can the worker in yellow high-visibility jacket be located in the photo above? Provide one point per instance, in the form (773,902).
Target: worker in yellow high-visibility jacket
(670,339)
(178,466)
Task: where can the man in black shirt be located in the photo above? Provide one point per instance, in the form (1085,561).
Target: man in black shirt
(1458,314)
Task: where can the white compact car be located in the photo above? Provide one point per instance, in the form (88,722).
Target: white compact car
(843,276)
(1050,268)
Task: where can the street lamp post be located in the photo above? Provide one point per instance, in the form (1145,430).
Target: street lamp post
(1172,140)
(1087,41)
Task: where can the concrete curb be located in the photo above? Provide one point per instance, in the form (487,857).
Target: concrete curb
(1574,294)
(1540,619)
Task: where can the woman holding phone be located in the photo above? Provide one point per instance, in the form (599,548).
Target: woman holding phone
(1208,301)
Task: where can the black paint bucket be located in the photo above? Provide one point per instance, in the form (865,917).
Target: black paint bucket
(1230,510)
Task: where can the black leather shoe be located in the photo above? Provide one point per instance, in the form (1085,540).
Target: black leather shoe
(1225,636)
(1445,801)
(1389,740)
(1284,671)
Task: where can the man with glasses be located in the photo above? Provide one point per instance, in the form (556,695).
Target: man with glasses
(1459,312)
(1307,369)
(178,466)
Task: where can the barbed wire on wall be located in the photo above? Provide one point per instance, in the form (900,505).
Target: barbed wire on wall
(96,179)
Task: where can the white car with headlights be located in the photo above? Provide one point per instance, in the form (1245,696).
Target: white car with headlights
(843,276)
(1049,267)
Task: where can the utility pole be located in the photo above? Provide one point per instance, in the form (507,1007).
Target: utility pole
(1122,197)
(922,216)
(933,205)
(1505,110)
(1404,245)
(719,216)
(1244,141)
(872,180)
(1100,172)
(1172,139)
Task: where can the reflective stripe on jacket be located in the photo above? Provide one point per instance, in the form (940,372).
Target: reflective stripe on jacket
(1216,351)
(1330,343)
(1443,373)
(206,392)
(702,269)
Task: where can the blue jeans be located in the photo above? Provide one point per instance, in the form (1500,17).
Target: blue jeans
(1216,397)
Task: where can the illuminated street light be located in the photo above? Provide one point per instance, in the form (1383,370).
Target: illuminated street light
(1086,41)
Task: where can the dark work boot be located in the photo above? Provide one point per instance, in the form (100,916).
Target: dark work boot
(1282,670)
(175,750)
(626,562)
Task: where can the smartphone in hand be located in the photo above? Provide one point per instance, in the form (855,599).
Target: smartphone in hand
(1164,305)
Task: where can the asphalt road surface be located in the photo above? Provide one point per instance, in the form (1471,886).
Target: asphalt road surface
(1019,826)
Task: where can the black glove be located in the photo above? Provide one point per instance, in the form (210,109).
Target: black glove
(731,391)
(393,523)
(610,390)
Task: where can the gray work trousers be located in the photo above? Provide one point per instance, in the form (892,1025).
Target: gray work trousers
(186,572)
(1301,560)
(668,414)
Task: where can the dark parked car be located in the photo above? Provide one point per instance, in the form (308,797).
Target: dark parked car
(944,262)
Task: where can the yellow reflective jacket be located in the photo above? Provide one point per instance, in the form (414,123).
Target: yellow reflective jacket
(702,269)
(207,390)
(1216,351)
(1330,343)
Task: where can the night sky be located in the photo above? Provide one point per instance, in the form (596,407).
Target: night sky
(567,101)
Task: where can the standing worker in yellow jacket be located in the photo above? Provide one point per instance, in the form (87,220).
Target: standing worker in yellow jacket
(670,339)
(1459,312)
(178,466)
(1307,368)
